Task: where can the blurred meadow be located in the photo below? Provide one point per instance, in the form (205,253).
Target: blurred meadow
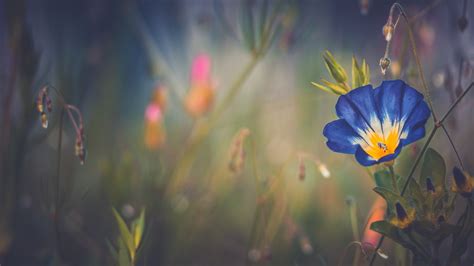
(141,132)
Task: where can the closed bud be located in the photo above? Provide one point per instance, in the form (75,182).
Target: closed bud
(80,150)
(384,64)
(463,183)
(334,68)
(388,31)
(44,120)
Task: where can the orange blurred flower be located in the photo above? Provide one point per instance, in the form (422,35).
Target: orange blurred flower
(200,97)
(377,213)
(155,134)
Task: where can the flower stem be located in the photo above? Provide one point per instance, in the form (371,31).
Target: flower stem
(452,145)
(394,179)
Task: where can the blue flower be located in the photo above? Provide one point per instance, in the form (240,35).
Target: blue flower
(376,123)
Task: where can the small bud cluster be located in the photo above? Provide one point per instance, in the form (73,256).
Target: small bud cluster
(43,104)
(155,132)
(237,151)
(80,149)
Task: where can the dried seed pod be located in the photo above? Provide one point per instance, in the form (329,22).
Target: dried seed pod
(384,64)
(40,100)
(44,120)
(80,150)
(388,31)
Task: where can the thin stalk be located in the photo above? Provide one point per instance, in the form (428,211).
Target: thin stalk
(57,199)
(453,146)
(355,230)
(451,108)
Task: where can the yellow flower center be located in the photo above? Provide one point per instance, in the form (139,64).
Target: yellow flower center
(381,145)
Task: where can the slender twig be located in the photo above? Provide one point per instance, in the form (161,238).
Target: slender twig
(57,199)
(451,108)
(453,146)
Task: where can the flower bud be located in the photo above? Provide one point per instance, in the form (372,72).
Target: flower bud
(384,64)
(44,120)
(388,31)
(463,183)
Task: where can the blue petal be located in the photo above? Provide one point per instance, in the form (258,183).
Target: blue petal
(411,99)
(359,109)
(364,159)
(389,97)
(414,135)
(415,120)
(340,136)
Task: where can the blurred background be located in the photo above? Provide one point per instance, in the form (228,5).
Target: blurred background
(202,113)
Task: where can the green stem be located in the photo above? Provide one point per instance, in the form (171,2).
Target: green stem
(394,179)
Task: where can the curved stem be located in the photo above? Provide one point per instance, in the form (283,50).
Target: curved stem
(453,146)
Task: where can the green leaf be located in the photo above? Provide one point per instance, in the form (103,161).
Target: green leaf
(138,227)
(434,167)
(401,236)
(336,71)
(123,255)
(392,198)
(357,74)
(330,87)
(322,87)
(125,234)
(414,192)
(366,73)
